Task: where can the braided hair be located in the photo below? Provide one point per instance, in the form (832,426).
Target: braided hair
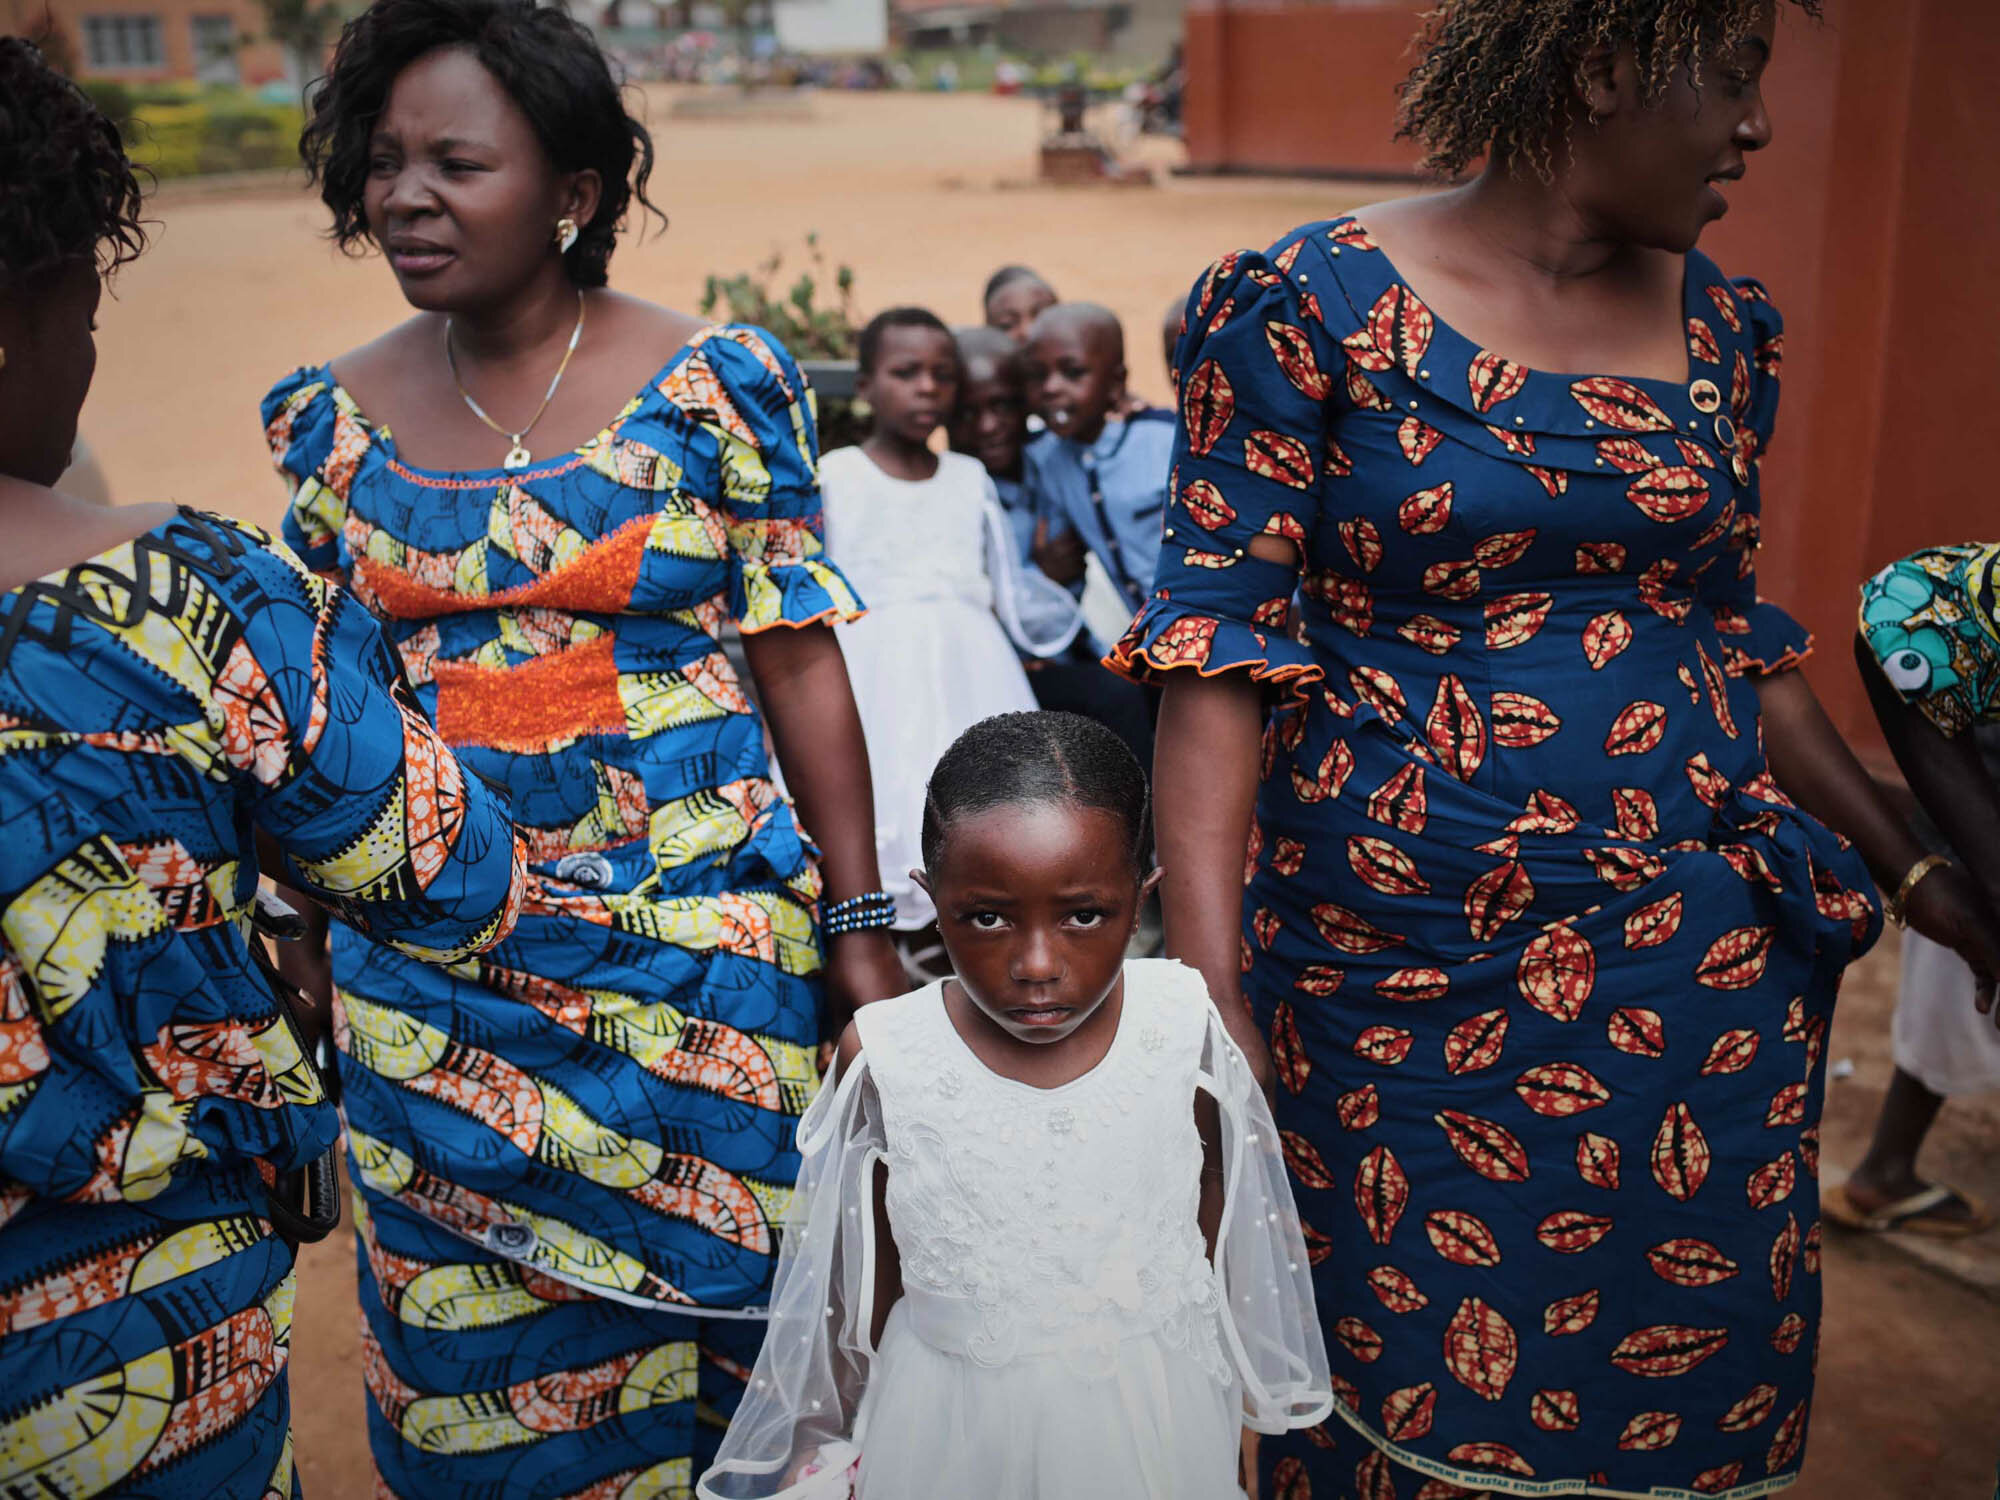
(1039,757)
(67,191)
(1495,75)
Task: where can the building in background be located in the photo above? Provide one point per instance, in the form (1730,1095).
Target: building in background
(151,41)
(1132,31)
(841,28)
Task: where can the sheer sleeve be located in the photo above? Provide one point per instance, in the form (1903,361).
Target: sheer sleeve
(1258,378)
(1269,1322)
(793,1437)
(753,398)
(1040,616)
(1758,637)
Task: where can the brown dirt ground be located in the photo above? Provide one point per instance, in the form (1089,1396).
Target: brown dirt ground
(923,196)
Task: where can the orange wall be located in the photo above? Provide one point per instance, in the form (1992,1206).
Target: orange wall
(1872,218)
(1283,89)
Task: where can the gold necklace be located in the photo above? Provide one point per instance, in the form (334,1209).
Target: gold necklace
(518,456)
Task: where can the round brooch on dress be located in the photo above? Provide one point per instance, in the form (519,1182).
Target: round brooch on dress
(1706,395)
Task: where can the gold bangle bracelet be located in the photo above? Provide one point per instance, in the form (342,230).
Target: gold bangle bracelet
(1896,908)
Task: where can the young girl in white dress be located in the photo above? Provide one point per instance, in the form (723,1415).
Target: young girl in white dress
(1042,1245)
(923,539)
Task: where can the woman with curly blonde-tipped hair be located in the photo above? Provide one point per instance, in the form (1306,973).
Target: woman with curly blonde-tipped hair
(1554,860)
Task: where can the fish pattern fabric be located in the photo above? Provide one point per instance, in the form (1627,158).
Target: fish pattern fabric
(1545,956)
(158,703)
(601,1110)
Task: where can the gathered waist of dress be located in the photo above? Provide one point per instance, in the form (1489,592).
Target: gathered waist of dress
(965,1329)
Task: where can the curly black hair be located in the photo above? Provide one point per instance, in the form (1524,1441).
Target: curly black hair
(1039,757)
(1495,75)
(548,63)
(67,190)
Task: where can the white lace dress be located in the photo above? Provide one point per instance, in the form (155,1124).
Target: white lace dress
(932,656)
(1062,1332)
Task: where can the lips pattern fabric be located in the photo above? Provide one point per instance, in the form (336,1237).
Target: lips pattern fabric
(1546,958)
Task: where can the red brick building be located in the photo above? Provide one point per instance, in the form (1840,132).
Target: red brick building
(147,41)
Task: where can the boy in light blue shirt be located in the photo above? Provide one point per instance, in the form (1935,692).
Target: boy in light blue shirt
(1094,473)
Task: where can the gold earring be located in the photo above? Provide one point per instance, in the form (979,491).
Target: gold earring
(566,234)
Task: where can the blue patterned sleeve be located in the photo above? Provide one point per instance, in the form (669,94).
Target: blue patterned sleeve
(1257,380)
(315,437)
(1758,637)
(760,412)
(377,818)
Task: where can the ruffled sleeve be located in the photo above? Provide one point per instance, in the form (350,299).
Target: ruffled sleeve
(792,1437)
(1270,1324)
(1257,384)
(316,439)
(1758,637)
(755,401)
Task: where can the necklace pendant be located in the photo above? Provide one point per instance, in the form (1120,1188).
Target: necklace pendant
(517,457)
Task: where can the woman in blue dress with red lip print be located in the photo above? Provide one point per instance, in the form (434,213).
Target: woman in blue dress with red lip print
(1544,918)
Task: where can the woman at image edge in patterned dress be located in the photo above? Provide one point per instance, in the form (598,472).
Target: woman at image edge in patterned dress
(175,692)
(570,1156)
(1544,953)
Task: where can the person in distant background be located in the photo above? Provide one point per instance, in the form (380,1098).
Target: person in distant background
(922,536)
(1095,473)
(1929,651)
(989,422)
(1014,297)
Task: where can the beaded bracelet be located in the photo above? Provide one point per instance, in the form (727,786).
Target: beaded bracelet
(858,914)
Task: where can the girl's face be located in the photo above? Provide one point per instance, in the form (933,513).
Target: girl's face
(1036,902)
(1014,308)
(461,196)
(913,385)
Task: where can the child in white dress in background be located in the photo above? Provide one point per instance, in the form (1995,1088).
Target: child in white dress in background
(1042,1245)
(922,537)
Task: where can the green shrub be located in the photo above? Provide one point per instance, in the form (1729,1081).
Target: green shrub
(180,130)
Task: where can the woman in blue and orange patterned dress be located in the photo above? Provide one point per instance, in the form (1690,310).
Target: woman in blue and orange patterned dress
(176,690)
(571,1155)
(1545,916)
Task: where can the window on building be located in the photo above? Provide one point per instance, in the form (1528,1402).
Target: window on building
(214,48)
(115,43)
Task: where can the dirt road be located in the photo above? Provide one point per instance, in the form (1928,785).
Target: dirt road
(922,196)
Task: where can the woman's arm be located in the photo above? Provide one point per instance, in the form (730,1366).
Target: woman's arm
(1817,770)
(1205,761)
(802,685)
